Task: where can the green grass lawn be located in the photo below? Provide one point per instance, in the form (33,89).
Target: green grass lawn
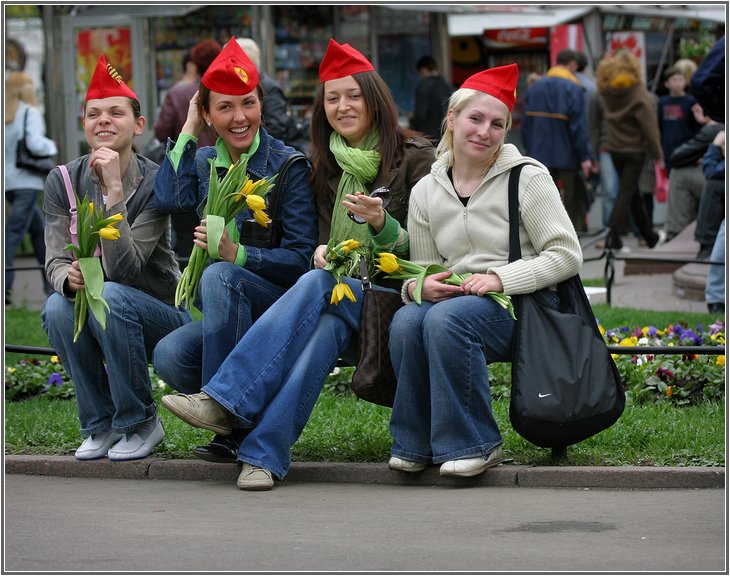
(343,428)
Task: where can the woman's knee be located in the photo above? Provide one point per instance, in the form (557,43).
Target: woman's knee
(56,310)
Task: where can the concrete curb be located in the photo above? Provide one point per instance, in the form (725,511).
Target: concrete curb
(629,477)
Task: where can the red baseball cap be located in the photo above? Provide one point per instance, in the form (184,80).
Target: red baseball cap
(232,72)
(342,60)
(500,82)
(107,83)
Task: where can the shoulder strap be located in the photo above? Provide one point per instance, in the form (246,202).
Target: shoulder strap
(515,253)
(275,195)
(71,201)
(25,123)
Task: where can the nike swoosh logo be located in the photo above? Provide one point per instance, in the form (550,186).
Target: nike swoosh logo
(544,395)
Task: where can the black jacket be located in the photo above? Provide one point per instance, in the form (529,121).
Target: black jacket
(692,151)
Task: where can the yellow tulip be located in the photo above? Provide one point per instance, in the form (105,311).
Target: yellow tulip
(115,218)
(262,218)
(247,188)
(91,208)
(255,202)
(350,245)
(341,291)
(388,263)
(109,233)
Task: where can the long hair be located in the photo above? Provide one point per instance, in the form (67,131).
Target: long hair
(383,116)
(459,100)
(18,86)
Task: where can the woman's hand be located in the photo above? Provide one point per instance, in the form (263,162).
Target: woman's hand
(434,290)
(227,249)
(366,207)
(105,163)
(74,279)
(480,284)
(194,122)
(319,256)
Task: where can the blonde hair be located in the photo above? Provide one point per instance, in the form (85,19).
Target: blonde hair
(458,101)
(622,70)
(18,86)
(251,49)
(686,67)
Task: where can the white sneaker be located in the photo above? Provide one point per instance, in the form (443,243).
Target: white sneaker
(139,443)
(403,465)
(97,445)
(662,238)
(471,466)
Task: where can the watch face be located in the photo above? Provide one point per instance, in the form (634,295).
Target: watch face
(14,55)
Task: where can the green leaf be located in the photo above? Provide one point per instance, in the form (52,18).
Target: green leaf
(93,286)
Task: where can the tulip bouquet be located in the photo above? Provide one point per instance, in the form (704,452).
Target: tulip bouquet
(90,226)
(227,197)
(401,269)
(344,260)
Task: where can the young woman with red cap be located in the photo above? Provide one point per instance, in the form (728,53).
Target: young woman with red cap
(110,366)
(271,380)
(251,273)
(459,217)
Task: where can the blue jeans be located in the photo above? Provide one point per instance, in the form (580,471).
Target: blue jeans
(272,378)
(232,299)
(715,287)
(109,368)
(25,217)
(609,186)
(440,351)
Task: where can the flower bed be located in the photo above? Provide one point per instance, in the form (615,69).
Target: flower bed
(679,379)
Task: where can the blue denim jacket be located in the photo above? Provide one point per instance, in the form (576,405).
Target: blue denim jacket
(187,190)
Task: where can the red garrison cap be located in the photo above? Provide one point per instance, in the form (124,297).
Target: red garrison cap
(232,72)
(107,82)
(342,60)
(500,82)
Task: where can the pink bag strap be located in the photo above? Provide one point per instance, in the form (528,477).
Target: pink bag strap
(72,228)
(73,225)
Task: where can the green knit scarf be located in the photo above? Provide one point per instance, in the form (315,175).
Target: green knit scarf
(359,168)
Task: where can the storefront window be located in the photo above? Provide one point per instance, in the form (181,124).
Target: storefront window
(175,36)
(301,35)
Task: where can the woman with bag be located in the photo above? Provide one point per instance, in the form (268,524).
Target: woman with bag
(459,218)
(23,122)
(271,380)
(250,274)
(109,363)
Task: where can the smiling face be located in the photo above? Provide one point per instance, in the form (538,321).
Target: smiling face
(345,108)
(479,128)
(236,119)
(111,122)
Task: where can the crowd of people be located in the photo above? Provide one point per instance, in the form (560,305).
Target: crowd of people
(270,328)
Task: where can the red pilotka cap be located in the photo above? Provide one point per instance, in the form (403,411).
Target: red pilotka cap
(500,82)
(341,60)
(107,83)
(232,72)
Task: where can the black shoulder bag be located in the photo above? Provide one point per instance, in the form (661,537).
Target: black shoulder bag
(565,384)
(25,159)
(252,233)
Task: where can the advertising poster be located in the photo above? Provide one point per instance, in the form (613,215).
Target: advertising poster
(114,43)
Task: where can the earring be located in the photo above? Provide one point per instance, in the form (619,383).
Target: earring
(209,124)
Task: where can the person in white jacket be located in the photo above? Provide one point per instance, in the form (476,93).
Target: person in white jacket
(22,186)
(458,217)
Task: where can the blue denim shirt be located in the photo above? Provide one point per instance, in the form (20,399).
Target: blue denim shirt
(187,190)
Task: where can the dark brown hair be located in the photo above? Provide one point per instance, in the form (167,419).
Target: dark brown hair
(383,116)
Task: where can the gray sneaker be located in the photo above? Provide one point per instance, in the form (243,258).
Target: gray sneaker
(97,445)
(201,411)
(254,478)
(140,443)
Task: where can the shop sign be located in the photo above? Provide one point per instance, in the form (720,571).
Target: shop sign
(511,38)
(634,42)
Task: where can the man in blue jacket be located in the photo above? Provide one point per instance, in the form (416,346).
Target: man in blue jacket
(555,132)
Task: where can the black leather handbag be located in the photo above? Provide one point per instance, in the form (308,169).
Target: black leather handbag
(25,159)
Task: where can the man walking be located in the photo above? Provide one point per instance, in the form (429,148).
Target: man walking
(555,132)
